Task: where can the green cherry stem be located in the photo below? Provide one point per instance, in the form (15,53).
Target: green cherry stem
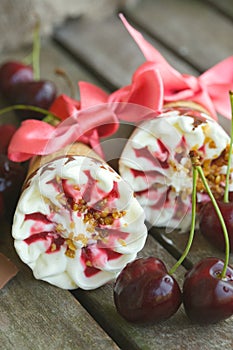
(222,222)
(193,220)
(36,51)
(53,117)
(226,192)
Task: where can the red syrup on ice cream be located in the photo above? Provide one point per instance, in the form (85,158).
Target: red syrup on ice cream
(52,239)
(88,258)
(161,160)
(37,217)
(75,200)
(55,241)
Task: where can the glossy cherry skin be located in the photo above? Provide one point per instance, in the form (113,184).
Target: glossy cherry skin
(12,176)
(145,293)
(210,226)
(6,133)
(39,93)
(207,298)
(12,73)
(1,206)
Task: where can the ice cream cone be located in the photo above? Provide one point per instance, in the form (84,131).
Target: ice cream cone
(77,223)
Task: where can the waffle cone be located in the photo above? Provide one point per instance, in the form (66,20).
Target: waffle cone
(188,104)
(76,149)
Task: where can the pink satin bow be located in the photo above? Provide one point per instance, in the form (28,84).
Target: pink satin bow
(211,89)
(96,115)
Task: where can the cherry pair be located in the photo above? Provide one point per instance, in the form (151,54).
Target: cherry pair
(18,86)
(11,174)
(145,292)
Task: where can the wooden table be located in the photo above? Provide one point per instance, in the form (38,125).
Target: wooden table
(193,36)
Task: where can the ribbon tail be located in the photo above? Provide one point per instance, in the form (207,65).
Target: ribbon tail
(221,73)
(219,81)
(172,79)
(30,139)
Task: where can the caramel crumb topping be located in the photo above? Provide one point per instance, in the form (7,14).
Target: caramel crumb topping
(53,247)
(212,170)
(212,144)
(71,235)
(95,219)
(58,179)
(61,198)
(122,242)
(72,225)
(82,238)
(196,123)
(80,206)
(70,253)
(70,244)
(60,228)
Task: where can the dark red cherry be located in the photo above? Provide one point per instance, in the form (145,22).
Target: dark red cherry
(210,226)
(6,133)
(144,292)
(207,298)
(12,73)
(39,93)
(12,176)
(1,206)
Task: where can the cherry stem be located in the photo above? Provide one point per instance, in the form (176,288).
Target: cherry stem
(193,220)
(31,108)
(226,192)
(36,51)
(218,212)
(64,75)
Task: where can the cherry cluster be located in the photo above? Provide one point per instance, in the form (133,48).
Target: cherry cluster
(18,87)
(146,292)
(29,97)
(11,174)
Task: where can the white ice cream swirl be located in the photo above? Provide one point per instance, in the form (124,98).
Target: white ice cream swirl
(157,164)
(78,223)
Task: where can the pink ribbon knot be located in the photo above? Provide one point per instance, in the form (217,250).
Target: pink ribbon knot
(96,115)
(210,90)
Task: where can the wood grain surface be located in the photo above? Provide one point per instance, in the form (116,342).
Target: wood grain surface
(192,35)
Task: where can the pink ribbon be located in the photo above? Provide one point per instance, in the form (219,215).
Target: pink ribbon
(96,115)
(211,89)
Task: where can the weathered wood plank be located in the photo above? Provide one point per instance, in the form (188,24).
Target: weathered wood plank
(200,248)
(176,333)
(192,28)
(45,302)
(107,49)
(36,315)
(226,6)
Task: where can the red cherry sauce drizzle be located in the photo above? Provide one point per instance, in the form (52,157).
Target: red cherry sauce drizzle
(72,195)
(182,147)
(112,235)
(56,241)
(88,258)
(158,159)
(90,187)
